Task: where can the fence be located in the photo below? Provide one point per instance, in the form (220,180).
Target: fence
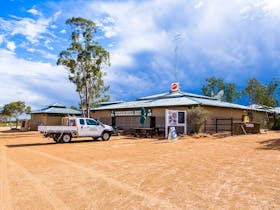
(218,125)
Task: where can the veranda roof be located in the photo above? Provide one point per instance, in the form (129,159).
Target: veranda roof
(56,109)
(177,98)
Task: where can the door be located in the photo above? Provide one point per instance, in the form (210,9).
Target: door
(82,127)
(91,128)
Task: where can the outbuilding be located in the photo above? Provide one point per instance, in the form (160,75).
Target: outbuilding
(51,115)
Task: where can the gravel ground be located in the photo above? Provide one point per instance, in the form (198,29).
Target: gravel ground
(240,172)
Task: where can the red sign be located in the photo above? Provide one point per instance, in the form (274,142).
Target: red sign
(174,87)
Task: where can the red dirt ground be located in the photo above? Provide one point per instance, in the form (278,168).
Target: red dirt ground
(240,172)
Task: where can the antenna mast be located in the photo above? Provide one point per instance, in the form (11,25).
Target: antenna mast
(176,38)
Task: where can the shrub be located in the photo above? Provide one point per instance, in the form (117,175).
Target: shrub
(196,116)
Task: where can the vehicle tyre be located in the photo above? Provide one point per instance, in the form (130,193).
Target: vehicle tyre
(66,138)
(105,136)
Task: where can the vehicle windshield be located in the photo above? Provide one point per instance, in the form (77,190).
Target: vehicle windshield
(91,122)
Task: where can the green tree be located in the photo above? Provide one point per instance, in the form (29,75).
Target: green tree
(15,109)
(259,93)
(84,60)
(74,108)
(214,85)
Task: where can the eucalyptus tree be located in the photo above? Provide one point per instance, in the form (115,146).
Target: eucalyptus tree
(263,94)
(15,109)
(214,85)
(85,59)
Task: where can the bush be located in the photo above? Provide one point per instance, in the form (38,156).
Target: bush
(196,116)
(277,124)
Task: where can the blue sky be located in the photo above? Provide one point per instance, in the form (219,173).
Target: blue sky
(235,40)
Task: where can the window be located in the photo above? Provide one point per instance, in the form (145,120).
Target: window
(82,121)
(72,122)
(91,122)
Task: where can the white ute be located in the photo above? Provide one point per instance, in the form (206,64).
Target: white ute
(73,127)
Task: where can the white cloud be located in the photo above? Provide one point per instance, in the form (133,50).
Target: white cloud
(47,55)
(108,26)
(198,5)
(11,46)
(270,7)
(31,29)
(63,31)
(53,26)
(30,50)
(2,38)
(56,15)
(36,83)
(34,11)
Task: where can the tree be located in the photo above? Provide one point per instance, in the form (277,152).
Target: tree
(196,118)
(74,108)
(214,85)
(259,93)
(15,109)
(84,60)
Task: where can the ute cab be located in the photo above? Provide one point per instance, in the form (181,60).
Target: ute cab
(89,127)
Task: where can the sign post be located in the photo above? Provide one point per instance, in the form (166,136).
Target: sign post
(175,118)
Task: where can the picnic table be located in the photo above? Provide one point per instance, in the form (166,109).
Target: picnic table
(146,132)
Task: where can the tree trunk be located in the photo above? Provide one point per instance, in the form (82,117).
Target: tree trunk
(87,100)
(16,123)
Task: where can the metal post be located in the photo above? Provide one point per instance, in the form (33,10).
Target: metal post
(216,125)
(231,126)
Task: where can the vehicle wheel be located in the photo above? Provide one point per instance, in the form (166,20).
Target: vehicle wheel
(66,138)
(105,136)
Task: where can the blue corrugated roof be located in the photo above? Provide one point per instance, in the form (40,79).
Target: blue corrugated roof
(174,95)
(264,108)
(178,98)
(56,109)
(209,102)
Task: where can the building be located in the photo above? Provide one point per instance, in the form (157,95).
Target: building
(126,115)
(50,115)
(276,111)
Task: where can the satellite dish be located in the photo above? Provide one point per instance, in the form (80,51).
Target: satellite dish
(220,95)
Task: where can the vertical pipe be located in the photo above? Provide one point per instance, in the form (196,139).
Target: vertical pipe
(216,125)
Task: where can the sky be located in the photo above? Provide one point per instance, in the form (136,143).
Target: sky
(152,43)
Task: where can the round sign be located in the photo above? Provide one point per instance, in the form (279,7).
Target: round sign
(174,86)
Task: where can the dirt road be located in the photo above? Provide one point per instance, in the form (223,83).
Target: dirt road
(127,173)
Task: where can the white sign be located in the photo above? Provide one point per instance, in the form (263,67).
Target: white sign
(175,118)
(249,125)
(128,113)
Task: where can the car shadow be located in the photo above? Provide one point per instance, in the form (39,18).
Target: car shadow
(270,144)
(50,143)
